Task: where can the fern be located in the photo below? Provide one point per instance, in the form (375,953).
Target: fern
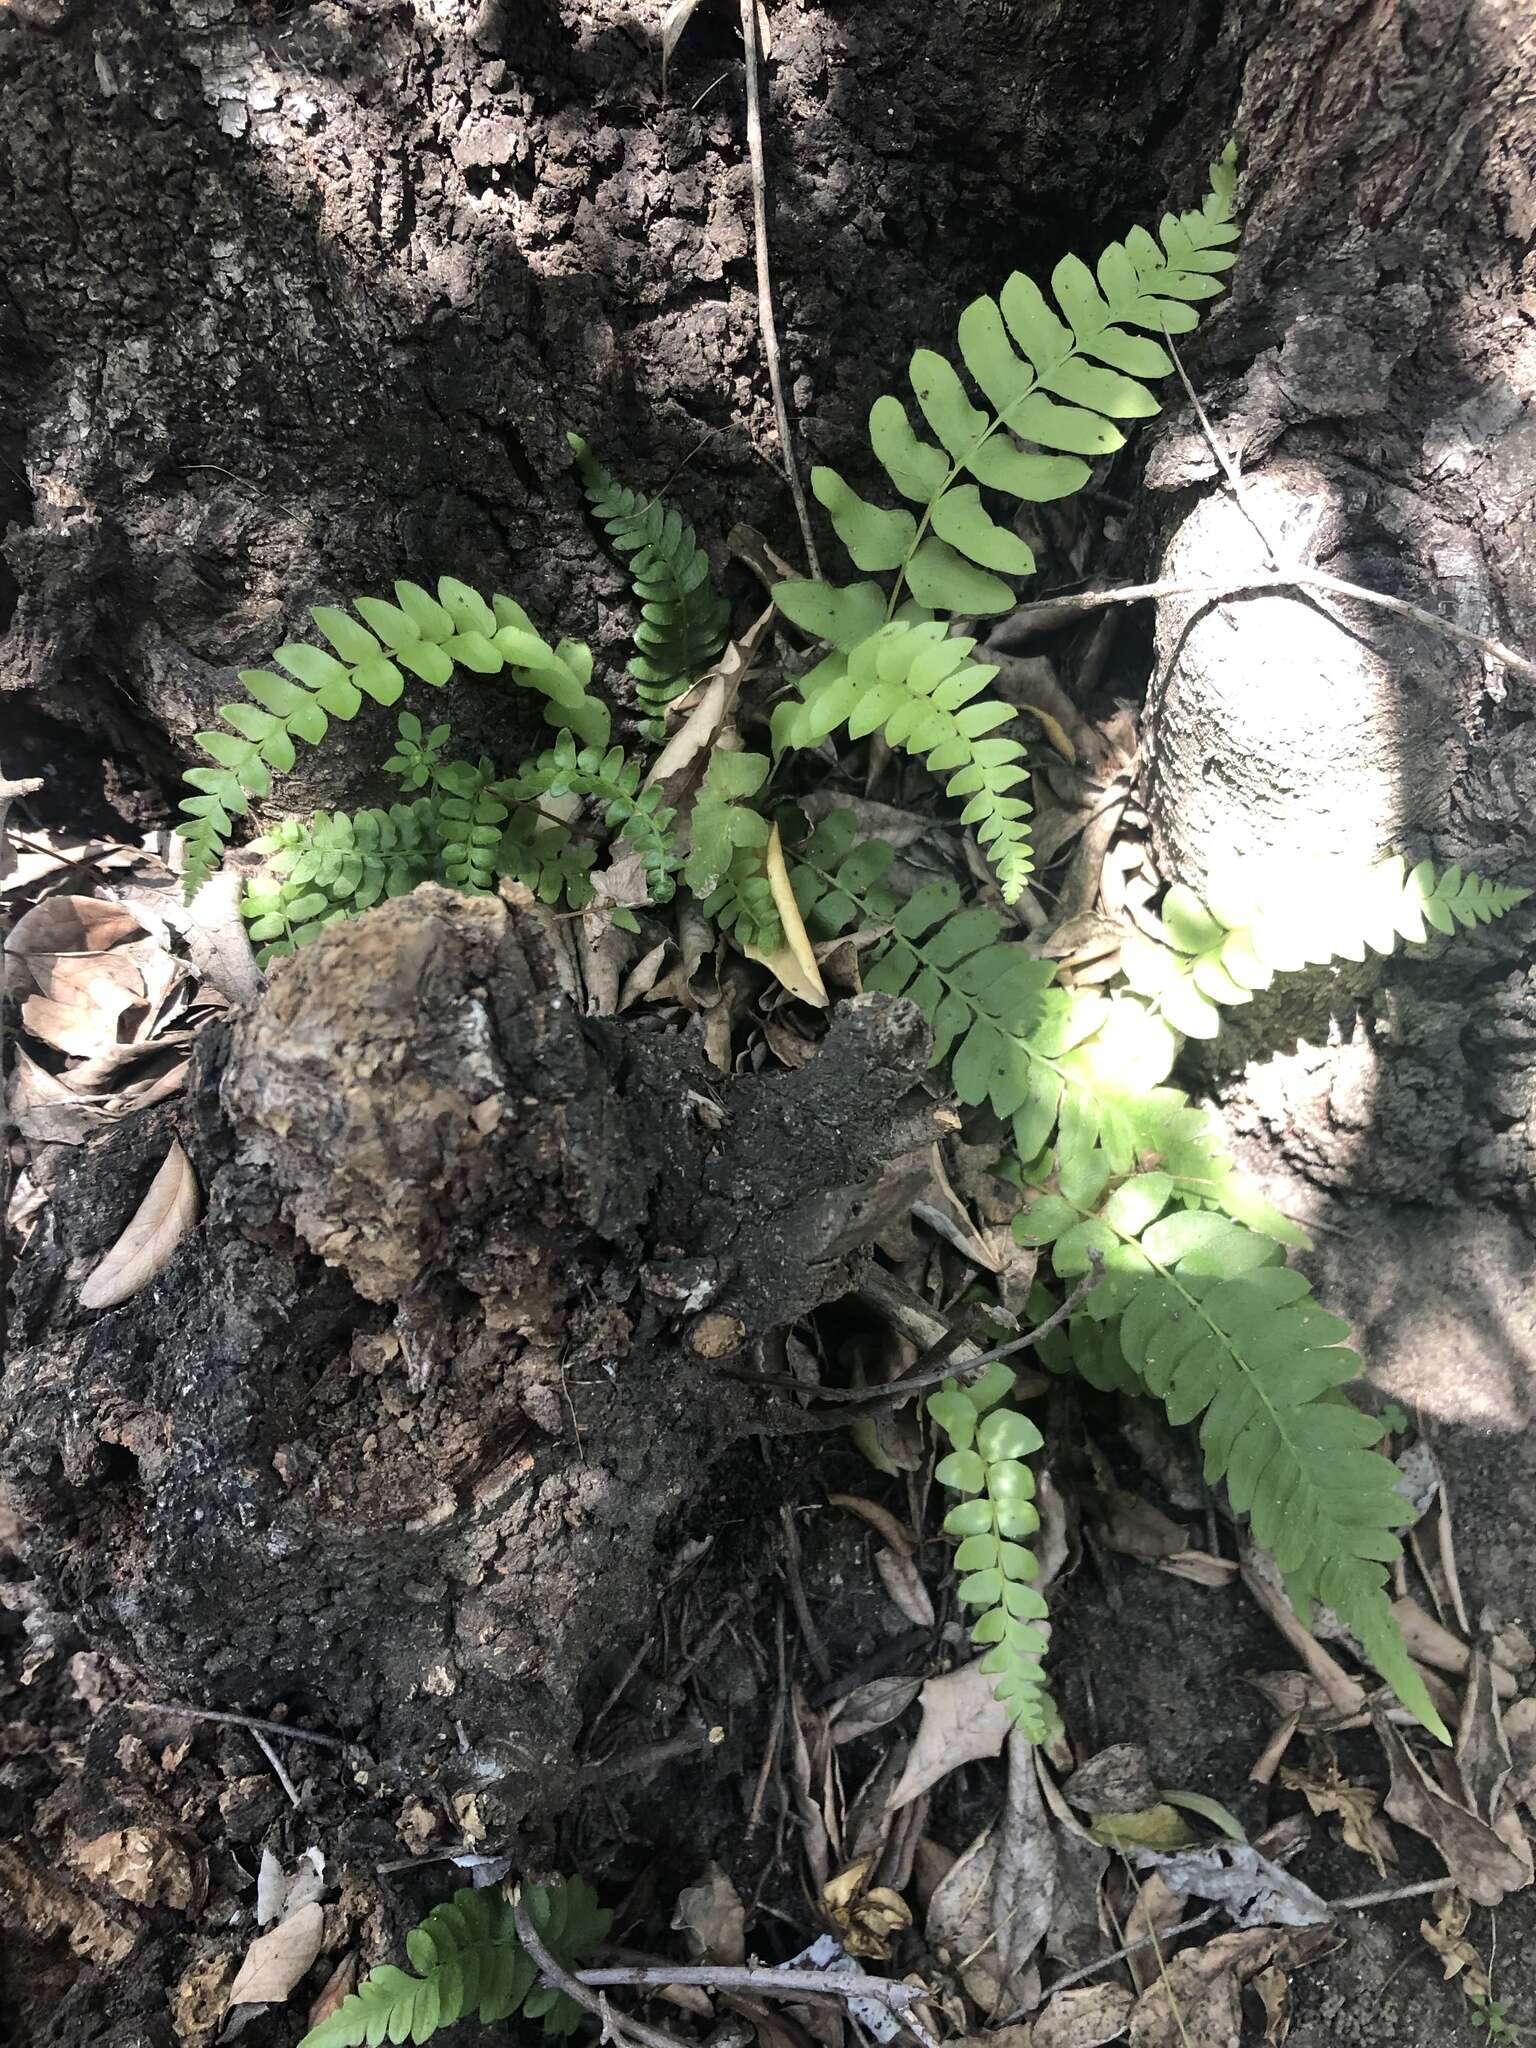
(613,781)
(469,1962)
(683,619)
(1057,380)
(335,866)
(1221,953)
(919,689)
(727,838)
(429,636)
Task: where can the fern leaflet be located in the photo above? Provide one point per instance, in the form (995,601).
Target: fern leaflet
(727,840)
(469,1961)
(683,618)
(610,779)
(988,1446)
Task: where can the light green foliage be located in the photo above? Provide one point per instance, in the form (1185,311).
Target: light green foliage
(610,779)
(918,688)
(988,1444)
(724,868)
(469,1963)
(335,866)
(683,618)
(1219,953)
(1055,378)
(428,636)
(1196,1305)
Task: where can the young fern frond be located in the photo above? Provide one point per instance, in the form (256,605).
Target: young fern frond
(917,686)
(429,636)
(727,839)
(683,618)
(470,1963)
(610,779)
(1212,1324)
(335,866)
(1220,953)
(988,1446)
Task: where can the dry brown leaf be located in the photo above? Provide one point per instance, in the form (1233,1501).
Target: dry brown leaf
(1520,1733)
(1446,1935)
(1345,1694)
(71,924)
(792,964)
(1482,1749)
(904,1586)
(1326,1792)
(336,1989)
(1480,1862)
(142,1865)
(165,1216)
(1199,1567)
(1196,2002)
(873,1706)
(1054,731)
(1085,2017)
(1133,1526)
(897,1537)
(961,1721)
(275,1962)
(712,1919)
(866,1917)
(699,730)
(1429,1642)
(1274,1989)
(1115,1780)
(992,1910)
(1157,1910)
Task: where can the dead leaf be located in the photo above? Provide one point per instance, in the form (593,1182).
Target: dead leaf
(71,924)
(1345,1694)
(961,1721)
(1429,1642)
(792,964)
(1250,1889)
(142,1865)
(337,1988)
(1159,1826)
(1116,1780)
(673,22)
(896,1536)
(712,1919)
(275,1962)
(1446,1935)
(1053,731)
(165,1216)
(993,1908)
(873,1706)
(904,1585)
(1199,1567)
(697,734)
(1520,1733)
(1085,2017)
(1133,1526)
(1359,1826)
(1480,1862)
(1482,1750)
(1274,1989)
(1196,2002)
(865,1916)
(1157,1910)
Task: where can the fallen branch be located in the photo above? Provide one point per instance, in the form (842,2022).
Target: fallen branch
(898,1999)
(560,1979)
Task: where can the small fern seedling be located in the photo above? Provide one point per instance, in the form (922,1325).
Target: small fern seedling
(469,1963)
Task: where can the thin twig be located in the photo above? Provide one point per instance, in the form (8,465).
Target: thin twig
(276,1762)
(810,1635)
(765,282)
(898,1999)
(560,1979)
(1292,576)
(238,1721)
(1389,1898)
(962,1369)
(1229,467)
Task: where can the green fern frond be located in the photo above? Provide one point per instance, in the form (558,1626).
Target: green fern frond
(470,1963)
(988,1446)
(993,1010)
(1219,953)
(546,857)
(334,866)
(684,620)
(426,635)
(610,779)
(916,685)
(726,843)
(1214,1325)
(1056,378)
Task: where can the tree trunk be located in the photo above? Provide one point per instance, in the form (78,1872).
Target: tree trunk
(305,297)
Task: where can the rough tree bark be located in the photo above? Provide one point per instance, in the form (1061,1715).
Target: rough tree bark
(300,296)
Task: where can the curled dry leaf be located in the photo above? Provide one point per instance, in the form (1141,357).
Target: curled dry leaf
(793,964)
(1196,2002)
(1158,1909)
(904,1584)
(337,1988)
(165,1216)
(896,1535)
(1115,1780)
(873,1706)
(1326,1792)
(1447,1936)
(1480,1861)
(1274,1989)
(961,1721)
(867,1917)
(275,1962)
(1250,1889)
(1088,2016)
(992,1910)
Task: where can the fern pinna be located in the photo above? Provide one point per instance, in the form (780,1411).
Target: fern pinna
(1195,1305)
(1055,380)
(683,620)
(469,1963)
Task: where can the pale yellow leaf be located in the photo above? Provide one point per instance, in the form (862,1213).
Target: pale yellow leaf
(164,1217)
(275,1962)
(1054,731)
(793,964)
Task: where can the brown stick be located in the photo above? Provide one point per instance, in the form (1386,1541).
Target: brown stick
(560,1979)
(898,1999)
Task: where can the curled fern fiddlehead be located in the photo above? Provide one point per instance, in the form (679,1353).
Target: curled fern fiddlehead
(469,1962)
(988,1446)
(683,618)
